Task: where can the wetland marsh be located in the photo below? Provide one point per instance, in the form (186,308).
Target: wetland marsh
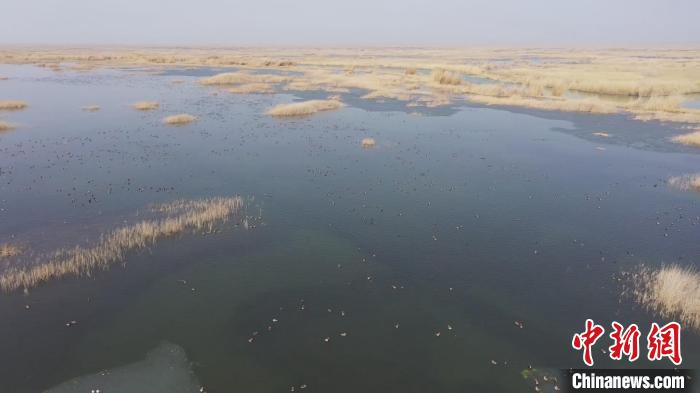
(382,228)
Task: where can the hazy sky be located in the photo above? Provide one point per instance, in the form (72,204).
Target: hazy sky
(350,22)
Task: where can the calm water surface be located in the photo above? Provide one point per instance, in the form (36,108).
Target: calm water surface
(461,221)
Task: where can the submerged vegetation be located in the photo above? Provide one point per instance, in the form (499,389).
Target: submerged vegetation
(145,105)
(671,291)
(12,105)
(181,216)
(304,108)
(180,119)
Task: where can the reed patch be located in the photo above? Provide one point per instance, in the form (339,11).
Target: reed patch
(672,292)
(5,126)
(178,120)
(690,139)
(685,182)
(252,88)
(145,105)
(368,143)
(180,216)
(12,105)
(304,108)
(8,250)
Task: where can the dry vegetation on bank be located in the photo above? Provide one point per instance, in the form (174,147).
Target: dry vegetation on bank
(178,120)
(647,84)
(12,105)
(304,108)
(181,216)
(671,291)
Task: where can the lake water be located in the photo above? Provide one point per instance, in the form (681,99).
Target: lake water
(461,221)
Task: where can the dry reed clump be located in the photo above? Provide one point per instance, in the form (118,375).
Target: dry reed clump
(252,88)
(8,250)
(181,119)
(181,216)
(691,139)
(12,105)
(445,77)
(5,126)
(671,291)
(397,94)
(304,108)
(234,78)
(368,143)
(91,108)
(145,105)
(685,182)
(227,78)
(587,105)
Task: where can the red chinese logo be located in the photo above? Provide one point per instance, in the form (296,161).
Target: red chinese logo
(662,342)
(586,339)
(665,342)
(626,342)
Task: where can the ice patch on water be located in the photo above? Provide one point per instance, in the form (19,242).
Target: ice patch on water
(164,370)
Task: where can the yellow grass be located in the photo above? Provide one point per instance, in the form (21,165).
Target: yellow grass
(113,247)
(685,182)
(691,139)
(397,94)
(304,108)
(252,88)
(5,126)
(11,105)
(671,291)
(91,108)
(445,77)
(589,105)
(180,119)
(586,80)
(145,105)
(8,250)
(368,143)
(233,78)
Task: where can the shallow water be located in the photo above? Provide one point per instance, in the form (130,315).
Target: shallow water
(467,216)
